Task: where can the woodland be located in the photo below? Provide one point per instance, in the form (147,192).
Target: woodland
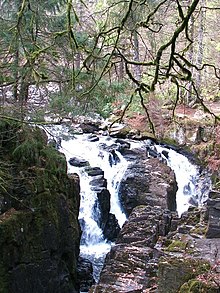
(150,61)
(78,57)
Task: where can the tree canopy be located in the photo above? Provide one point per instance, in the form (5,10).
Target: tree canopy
(76,56)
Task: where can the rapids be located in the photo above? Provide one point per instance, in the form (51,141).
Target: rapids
(193,185)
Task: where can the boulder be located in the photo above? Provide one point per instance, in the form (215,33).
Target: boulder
(131,265)
(94,171)
(213,230)
(119,130)
(78,162)
(148,182)
(84,274)
(89,127)
(93,138)
(112,228)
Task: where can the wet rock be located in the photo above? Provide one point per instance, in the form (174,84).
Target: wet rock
(78,162)
(113,158)
(119,130)
(213,230)
(93,138)
(106,221)
(148,182)
(123,144)
(104,207)
(165,153)
(152,152)
(98,182)
(112,228)
(129,155)
(89,127)
(84,274)
(131,265)
(94,171)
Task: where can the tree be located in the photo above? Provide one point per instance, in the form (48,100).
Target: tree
(85,49)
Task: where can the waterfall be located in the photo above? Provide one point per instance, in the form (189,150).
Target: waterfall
(193,189)
(93,246)
(193,185)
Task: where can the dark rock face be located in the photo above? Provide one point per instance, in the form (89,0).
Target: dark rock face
(94,171)
(112,228)
(85,274)
(148,182)
(131,264)
(106,221)
(77,162)
(213,230)
(103,200)
(144,226)
(39,229)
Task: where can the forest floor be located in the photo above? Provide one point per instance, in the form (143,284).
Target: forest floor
(138,120)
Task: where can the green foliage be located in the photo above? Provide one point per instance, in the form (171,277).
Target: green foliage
(5,177)
(53,161)
(9,129)
(105,94)
(176,246)
(27,153)
(30,141)
(60,103)
(197,286)
(100,100)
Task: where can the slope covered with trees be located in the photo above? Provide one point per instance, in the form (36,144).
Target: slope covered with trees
(82,56)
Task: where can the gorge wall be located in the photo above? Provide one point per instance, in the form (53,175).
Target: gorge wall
(39,205)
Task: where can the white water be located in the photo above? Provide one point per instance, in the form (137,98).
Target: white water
(189,180)
(193,189)
(94,247)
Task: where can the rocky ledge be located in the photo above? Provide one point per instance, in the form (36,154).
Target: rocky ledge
(156,251)
(39,205)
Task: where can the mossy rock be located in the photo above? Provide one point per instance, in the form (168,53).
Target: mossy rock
(39,228)
(176,246)
(197,286)
(199,230)
(173,272)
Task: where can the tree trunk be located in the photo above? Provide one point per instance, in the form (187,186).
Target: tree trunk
(191,30)
(16,74)
(137,69)
(200,52)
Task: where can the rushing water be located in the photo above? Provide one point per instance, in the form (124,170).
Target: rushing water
(193,186)
(93,246)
